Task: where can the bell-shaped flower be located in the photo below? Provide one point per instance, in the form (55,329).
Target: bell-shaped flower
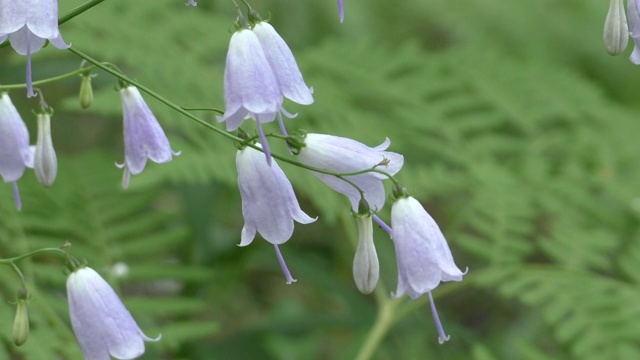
(45,162)
(366,268)
(192,3)
(283,64)
(104,328)
(143,136)
(616,31)
(344,155)
(15,153)
(423,255)
(269,205)
(633,16)
(28,24)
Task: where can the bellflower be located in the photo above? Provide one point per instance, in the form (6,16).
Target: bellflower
(103,326)
(342,155)
(633,14)
(260,72)
(269,205)
(423,256)
(250,86)
(45,162)
(143,136)
(192,3)
(616,31)
(15,153)
(28,24)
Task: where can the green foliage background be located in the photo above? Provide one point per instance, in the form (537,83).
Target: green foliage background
(520,138)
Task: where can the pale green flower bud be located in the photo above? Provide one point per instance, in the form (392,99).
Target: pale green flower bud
(366,268)
(616,31)
(45,162)
(86,91)
(21,321)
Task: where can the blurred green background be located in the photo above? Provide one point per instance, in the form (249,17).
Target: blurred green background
(520,137)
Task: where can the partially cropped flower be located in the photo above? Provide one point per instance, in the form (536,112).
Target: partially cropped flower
(192,3)
(28,24)
(616,31)
(341,10)
(633,14)
(143,136)
(339,154)
(366,268)
(423,255)
(15,153)
(103,326)
(269,205)
(45,162)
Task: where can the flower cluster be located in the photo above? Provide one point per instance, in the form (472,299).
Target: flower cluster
(260,72)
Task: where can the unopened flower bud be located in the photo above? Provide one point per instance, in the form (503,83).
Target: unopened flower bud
(366,268)
(21,321)
(86,91)
(616,31)
(45,162)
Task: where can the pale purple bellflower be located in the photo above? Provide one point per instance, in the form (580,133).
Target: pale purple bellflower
(192,3)
(103,326)
(15,152)
(423,255)
(269,205)
(143,136)
(28,24)
(633,15)
(344,155)
(260,72)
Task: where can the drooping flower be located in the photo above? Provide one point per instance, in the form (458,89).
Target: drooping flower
(28,24)
(341,10)
(366,268)
(633,14)
(102,324)
(192,3)
(15,153)
(45,162)
(260,72)
(339,154)
(283,64)
(423,255)
(143,136)
(616,31)
(269,205)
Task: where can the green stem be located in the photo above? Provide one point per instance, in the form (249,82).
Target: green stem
(384,321)
(29,254)
(46,81)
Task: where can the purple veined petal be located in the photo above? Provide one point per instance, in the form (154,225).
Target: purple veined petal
(143,136)
(59,43)
(423,256)
(249,82)
(13,16)
(24,42)
(42,18)
(103,326)
(345,155)
(269,205)
(283,64)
